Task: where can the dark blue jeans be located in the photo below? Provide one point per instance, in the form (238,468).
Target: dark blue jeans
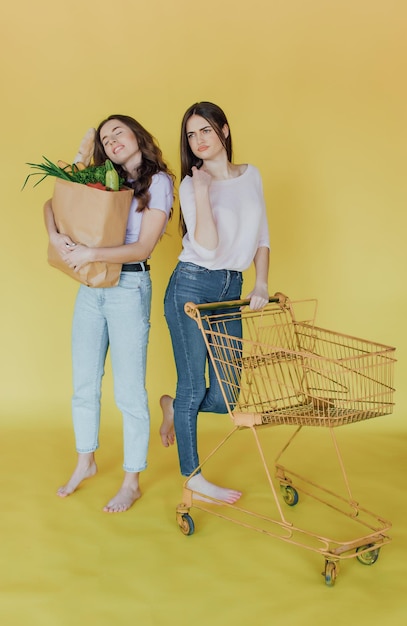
(193,283)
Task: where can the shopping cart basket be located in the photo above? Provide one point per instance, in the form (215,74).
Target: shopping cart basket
(284,370)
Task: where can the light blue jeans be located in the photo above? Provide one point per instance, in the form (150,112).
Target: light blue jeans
(115,318)
(193,283)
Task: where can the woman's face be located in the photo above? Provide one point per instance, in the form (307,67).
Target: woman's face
(203,139)
(120,144)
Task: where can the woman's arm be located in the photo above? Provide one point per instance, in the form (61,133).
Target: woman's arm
(61,242)
(152,227)
(259,297)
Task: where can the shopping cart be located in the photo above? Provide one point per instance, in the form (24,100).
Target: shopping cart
(284,370)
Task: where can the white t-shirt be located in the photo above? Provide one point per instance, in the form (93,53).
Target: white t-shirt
(240,215)
(161,191)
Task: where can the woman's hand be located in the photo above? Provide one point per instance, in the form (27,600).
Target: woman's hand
(61,242)
(76,256)
(259,297)
(200,179)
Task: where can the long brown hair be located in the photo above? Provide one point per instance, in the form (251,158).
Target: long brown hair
(214,115)
(152,160)
(217,119)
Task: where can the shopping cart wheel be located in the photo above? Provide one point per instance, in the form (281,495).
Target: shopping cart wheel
(370,556)
(186,524)
(330,573)
(290,495)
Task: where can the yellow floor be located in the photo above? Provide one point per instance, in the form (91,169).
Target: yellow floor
(66,563)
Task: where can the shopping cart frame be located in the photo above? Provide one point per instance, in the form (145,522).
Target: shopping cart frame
(293,342)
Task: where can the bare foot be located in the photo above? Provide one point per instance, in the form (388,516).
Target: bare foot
(85,468)
(128,493)
(167,432)
(199,484)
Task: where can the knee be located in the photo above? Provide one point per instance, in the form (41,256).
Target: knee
(214,403)
(221,408)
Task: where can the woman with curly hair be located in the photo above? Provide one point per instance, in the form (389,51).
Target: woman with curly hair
(117,317)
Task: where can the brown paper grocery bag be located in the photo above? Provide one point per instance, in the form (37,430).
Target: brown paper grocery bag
(95,218)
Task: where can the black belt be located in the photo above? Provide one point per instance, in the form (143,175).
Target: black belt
(143,266)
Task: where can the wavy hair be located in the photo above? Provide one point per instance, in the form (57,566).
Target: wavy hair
(152,160)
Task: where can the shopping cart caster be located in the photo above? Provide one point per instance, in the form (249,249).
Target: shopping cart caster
(367,557)
(330,573)
(186,524)
(290,495)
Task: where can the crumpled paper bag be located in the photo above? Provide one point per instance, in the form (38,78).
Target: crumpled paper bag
(95,218)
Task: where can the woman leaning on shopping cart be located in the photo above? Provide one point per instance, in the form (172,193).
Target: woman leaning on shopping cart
(224,226)
(117,317)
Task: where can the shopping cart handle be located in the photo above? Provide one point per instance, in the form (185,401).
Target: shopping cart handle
(230,304)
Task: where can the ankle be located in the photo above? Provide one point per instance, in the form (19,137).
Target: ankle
(86,459)
(131,480)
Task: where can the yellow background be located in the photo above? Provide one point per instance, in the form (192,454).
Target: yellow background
(315,92)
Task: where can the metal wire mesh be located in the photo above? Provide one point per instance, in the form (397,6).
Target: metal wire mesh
(284,371)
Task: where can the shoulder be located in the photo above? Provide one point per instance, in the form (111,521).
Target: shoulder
(253,171)
(162,180)
(161,192)
(245,172)
(186,183)
(254,177)
(186,189)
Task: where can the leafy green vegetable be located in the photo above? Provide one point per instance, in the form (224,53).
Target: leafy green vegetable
(91,174)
